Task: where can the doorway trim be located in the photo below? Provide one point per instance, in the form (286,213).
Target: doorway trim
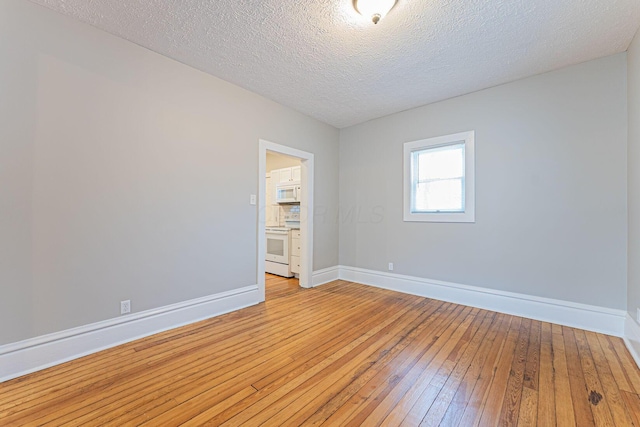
(306,212)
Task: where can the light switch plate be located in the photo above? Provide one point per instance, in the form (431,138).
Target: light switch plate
(252,199)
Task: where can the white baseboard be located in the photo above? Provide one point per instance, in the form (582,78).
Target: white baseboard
(24,357)
(582,316)
(326,275)
(21,358)
(632,338)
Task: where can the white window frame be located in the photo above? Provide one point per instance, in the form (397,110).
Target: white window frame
(469,213)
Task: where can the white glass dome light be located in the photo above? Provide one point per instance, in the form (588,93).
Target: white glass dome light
(374,9)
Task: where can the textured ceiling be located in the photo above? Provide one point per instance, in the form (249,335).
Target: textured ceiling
(321,58)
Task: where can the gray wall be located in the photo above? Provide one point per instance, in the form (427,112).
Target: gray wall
(551,189)
(633,91)
(126,175)
(17,132)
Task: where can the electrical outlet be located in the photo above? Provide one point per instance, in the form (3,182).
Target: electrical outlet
(638,315)
(125,307)
(252,199)
(390,266)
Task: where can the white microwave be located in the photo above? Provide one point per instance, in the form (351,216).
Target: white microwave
(288,193)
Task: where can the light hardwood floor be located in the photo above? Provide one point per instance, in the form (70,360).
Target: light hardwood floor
(341,354)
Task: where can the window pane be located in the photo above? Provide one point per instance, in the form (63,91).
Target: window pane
(442,195)
(439,184)
(440,163)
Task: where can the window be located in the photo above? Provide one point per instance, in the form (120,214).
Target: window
(439,179)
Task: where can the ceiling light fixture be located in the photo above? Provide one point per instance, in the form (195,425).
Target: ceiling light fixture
(374,9)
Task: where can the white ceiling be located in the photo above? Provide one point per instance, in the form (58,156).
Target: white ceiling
(321,58)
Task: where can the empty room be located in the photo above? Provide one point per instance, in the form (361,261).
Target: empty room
(332,212)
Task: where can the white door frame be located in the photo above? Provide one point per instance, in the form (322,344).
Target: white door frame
(306,212)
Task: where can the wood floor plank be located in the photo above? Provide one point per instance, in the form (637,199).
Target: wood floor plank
(531,372)
(611,390)
(234,373)
(479,395)
(100,361)
(424,391)
(447,391)
(403,387)
(528,413)
(371,385)
(632,402)
(483,360)
(565,415)
(626,360)
(513,394)
(393,348)
(211,410)
(353,362)
(597,397)
(492,408)
(86,401)
(546,392)
(379,387)
(275,398)
(409,388)
(103,372)
(348,385)
(341,354)
(579,387)
(556,329)
(335,339)
(528,408)
(279,385)
(622,380)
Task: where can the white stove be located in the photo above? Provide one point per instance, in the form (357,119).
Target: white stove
(277,229)
(277,256)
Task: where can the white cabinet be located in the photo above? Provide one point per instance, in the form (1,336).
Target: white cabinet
(294,265)
(272,209)
(287,175)
(294,260)
(295,242)
(270,191)
(296,174)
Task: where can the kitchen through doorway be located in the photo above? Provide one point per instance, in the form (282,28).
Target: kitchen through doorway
(282,221)
(285,225)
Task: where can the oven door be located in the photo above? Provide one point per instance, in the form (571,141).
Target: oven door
(278,246)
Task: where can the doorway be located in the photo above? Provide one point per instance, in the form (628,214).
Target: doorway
(305,212)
